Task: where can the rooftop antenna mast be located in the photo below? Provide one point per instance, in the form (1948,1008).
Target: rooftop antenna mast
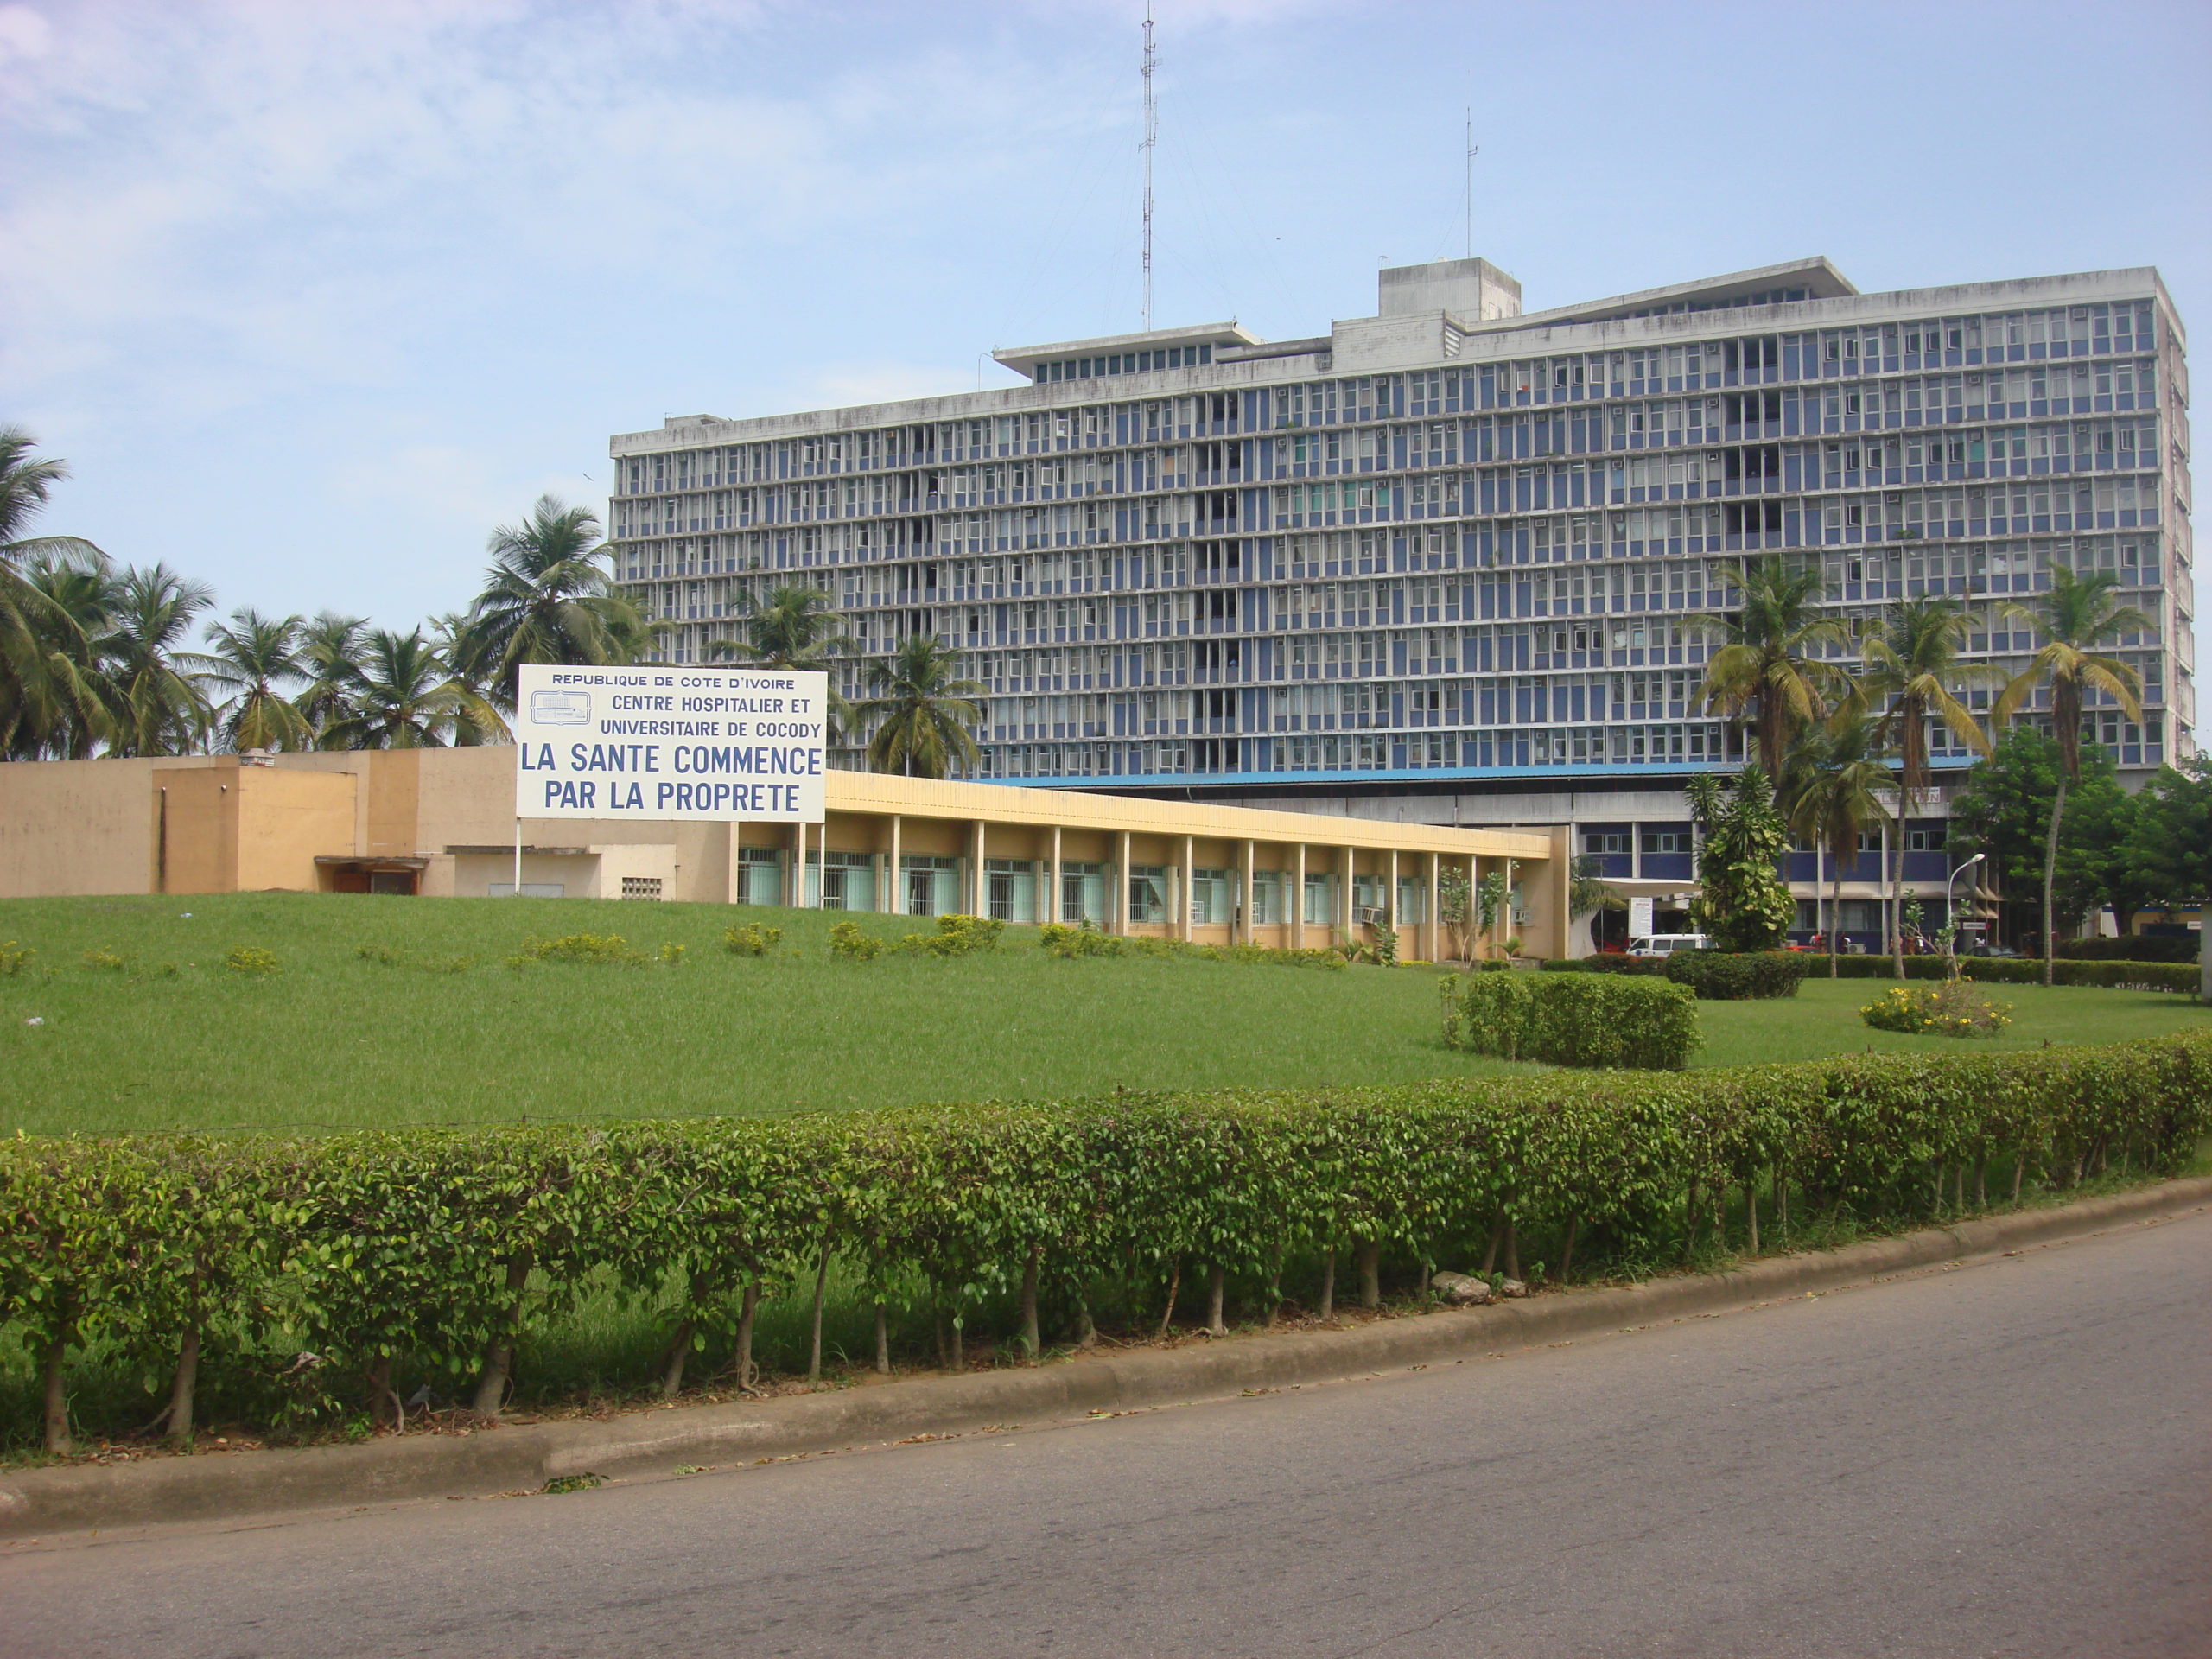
(1151,137)
(1470,182)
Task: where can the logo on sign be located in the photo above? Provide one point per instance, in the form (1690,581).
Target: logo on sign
(560,707)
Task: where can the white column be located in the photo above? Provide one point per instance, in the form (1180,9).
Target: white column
(1390,890)
(795,887)
(1048,907)
(1432,929)
(1347,858)
(1189,880)
(1298,900)
(897,907)
(736,879)
(978,883)
(1117,912)
(1244,935)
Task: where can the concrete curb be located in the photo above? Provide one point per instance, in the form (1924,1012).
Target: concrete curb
(46,1501)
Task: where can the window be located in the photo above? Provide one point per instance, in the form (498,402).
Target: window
(1605,840)
(1666,840)
(1929,838)
(1148,892)
(641,886)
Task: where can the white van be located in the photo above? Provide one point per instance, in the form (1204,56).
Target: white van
(1665,944)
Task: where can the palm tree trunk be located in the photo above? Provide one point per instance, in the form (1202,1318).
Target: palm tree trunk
(2050,878)
(1896,882)
(1835,912)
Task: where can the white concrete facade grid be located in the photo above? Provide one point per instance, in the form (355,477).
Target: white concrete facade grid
(1451,550)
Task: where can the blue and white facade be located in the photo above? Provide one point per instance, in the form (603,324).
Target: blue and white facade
(1447,559)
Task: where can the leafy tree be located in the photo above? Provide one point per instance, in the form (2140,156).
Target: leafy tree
(2006,810)
(1832,787)
(79,593)
(926,710)
(548,597)
(1743,902)
(248,658)
(402,695)
(793,627)
(1912,659)
(326,649)
(2168,850)
(157,707)
(45,703)
(1767,674)
(2078,614)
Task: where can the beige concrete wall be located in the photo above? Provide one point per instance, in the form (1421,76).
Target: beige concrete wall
(283,820)
(196,815)
(92,826)
(75,827)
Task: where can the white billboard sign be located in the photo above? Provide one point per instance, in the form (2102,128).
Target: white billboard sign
(663,743)
(1640,918)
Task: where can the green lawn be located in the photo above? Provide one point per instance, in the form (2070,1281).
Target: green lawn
(171,1038)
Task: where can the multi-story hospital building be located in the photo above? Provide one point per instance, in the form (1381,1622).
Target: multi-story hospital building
(1445,561)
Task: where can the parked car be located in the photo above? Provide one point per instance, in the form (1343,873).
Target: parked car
(1665,944)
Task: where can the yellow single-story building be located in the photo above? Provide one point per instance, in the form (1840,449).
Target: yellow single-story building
(440,823)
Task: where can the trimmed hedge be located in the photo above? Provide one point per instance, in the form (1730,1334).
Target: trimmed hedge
(2008,970)
(1587,1020)
(1738,975)
(2134,947)
(335,1272)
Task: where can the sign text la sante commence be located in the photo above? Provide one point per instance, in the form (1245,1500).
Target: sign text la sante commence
(696,744)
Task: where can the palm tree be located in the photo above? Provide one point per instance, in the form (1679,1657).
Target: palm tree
(402,695)
(796,628)
(248,658)
(449,638)
(75,596)
(157,707)
(1833,783)
(926,710)
(1765,674)
(2078,614)
(325,649)
(1912,662)
(40,696)
(548,597)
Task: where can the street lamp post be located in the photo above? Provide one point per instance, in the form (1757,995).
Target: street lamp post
(1950,911)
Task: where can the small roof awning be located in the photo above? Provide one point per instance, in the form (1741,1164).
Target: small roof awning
(380,861)
(1636,887)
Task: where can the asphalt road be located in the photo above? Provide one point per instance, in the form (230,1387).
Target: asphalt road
(2011,1457)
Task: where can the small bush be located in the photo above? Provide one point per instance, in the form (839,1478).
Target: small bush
(1953,1008)
(1608,962)
(1738,976)
(600,950)
(753,939)
(956,936)
(1583,1020)
(107,962)
(671,955)
(1060,940)
(250,960)
(2134,947)
(2005,970)
(14,958)
(848,942)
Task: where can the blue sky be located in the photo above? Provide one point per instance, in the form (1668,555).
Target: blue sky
(313,292)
